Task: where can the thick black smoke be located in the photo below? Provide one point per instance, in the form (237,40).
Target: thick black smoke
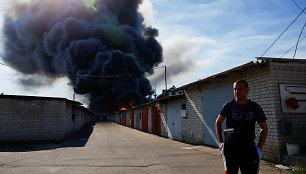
(109,40)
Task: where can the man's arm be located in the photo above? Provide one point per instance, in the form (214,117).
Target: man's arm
(263,134)
(219,122)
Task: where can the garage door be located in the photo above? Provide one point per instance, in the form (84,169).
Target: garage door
(174,120)
(213,99)
(138,117)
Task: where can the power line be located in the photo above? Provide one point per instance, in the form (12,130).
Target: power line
(283,32)
(292,47)
(297,43)
(88,77)
(83,75)
(298,6)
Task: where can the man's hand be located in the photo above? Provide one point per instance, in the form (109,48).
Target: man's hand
(220,144)
(219,122)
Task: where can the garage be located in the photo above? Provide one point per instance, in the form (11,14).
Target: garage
(174,119)
(213,99)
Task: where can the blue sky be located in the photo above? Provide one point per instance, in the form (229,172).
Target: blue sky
(201,38)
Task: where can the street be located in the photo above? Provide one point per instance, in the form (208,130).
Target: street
(112,148)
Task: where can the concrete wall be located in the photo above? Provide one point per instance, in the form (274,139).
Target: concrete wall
(36,119)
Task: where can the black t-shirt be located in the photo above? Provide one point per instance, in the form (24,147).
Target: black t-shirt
(243,118)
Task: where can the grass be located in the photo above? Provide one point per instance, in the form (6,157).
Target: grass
(299,170)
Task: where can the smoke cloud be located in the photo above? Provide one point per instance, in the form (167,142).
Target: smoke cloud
(106,42)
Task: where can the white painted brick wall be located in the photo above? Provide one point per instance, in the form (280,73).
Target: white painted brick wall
(192,125)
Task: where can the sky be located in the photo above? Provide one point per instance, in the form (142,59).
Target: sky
(199,38)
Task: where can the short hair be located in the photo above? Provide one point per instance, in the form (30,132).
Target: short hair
(244,82)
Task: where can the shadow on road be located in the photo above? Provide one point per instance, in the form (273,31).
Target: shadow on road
(78,139)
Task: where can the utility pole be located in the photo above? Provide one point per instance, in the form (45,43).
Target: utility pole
(166,78)
(165,75)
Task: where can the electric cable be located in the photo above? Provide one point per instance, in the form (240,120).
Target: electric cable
(283,32)
(298,6)
(297,43)
(292,47)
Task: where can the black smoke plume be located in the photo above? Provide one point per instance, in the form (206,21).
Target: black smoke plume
(107,43)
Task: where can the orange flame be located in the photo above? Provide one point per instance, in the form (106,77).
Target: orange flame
(121,109)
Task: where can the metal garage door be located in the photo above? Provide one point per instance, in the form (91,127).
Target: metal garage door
(144,119)
(174,119)
(156,120)
(138,117)
(213,99)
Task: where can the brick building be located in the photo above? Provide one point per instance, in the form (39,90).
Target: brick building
(272,82)
(204,99)
(27,118)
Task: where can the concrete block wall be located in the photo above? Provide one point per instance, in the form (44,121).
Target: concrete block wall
(30,120)
(193,125)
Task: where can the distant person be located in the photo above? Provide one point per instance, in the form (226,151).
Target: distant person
(239,149)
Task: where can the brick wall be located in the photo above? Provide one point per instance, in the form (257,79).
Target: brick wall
(26,120)
(76,118)
(259,79)
(264,89)
(39,119)
(288,73)
(192,125)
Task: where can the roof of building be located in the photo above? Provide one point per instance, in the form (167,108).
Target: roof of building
(261,61)
(24,97)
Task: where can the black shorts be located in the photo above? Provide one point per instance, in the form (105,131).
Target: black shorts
(247,158)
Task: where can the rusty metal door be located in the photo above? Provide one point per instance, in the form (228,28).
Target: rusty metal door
(145,119)
(156,120)
(132,119)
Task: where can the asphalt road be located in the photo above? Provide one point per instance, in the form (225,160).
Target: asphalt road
(112,148)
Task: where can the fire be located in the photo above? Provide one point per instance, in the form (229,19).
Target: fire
(131,103)
(121,109)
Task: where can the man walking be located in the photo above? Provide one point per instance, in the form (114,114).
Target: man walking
(239,149)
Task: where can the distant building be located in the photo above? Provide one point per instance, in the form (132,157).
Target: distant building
(28,118)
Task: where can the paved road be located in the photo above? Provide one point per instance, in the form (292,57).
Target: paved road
(112,148)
